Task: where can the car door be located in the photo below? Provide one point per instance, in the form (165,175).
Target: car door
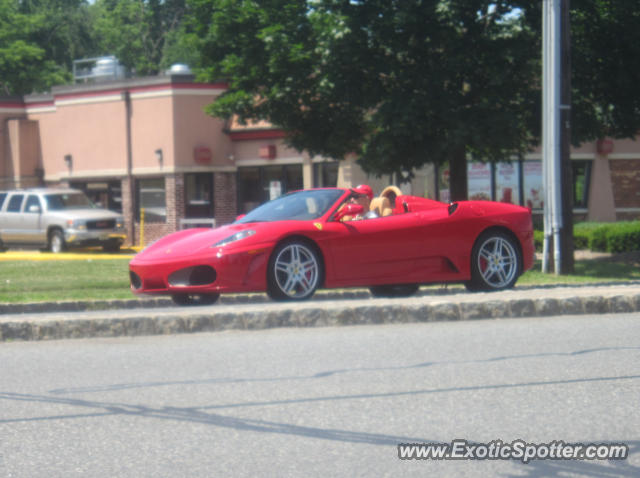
(368,251)
(10,226)
(32,227)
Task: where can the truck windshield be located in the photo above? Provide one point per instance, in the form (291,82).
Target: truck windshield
(58,202)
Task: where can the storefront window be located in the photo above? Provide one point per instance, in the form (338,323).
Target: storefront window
(250,191)
(500,181)
(152,198)
(532,187)
(198,190)
(293,177)
(479,181)
(257,185)
(442,183)
(325,175)
(581,179)
(106,194)
(507,182)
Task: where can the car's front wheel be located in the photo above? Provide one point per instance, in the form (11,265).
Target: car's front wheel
(495,262)
(57,243)
(195,299)
(294,272)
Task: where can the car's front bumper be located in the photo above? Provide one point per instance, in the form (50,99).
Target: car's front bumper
(243,271)
(78,237)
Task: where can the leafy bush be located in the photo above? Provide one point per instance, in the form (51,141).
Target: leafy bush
(623,237)
(601,236)
(538,239)
(598,238)
(580,238)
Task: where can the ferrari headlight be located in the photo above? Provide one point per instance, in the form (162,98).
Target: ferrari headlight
(236,237)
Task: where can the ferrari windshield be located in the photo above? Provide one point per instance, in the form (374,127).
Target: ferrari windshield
(296,206)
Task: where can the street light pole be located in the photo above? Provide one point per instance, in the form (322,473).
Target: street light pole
(551,130)
(556,164)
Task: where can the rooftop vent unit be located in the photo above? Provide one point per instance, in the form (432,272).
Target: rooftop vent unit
(94,70)
(179,69)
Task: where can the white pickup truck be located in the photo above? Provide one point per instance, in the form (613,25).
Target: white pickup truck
(56,219)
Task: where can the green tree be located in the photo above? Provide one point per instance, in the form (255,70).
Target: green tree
(25,63)
(142,34)
(399,83)
(65,31)
(605,45)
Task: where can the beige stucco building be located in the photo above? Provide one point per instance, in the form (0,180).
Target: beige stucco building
(147,144)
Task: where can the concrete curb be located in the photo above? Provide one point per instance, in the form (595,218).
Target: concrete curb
(255,298)
(159,302)
(317,314)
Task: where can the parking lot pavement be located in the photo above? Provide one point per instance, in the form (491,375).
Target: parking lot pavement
(329,308)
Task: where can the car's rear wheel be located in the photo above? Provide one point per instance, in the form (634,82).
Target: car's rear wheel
(394,290)
(57,243)
(195,299)
(294,272)
(495,262)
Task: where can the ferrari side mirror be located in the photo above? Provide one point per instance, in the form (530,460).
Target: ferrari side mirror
(349,210)
(240,217)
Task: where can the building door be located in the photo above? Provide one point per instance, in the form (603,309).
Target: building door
(198,190)
(260,184)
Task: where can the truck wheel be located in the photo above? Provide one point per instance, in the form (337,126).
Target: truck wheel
(57,243)
(111,246)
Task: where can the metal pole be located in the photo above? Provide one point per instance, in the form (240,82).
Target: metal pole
(545,154)
(551,128)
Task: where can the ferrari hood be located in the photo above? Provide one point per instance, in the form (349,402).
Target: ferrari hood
(192,241)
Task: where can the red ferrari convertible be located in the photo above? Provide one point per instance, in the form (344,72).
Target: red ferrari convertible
(291,246)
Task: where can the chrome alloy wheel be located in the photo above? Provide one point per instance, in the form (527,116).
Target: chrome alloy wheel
(497,262)
(296,271)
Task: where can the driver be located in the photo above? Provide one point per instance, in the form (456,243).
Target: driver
(363,196)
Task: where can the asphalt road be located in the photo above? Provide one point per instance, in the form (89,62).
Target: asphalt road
(332,401)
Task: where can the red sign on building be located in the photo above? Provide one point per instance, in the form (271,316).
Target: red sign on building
(202,154)
(268,151)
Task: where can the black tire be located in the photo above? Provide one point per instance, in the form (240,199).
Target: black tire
(394,290)
(195,299)
(111,246)
(3,248)
(294,272)
(57,243)
(496,262)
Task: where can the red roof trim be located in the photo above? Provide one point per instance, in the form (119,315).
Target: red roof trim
(40,104)
(12,104)
(257,134)
(142,89)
